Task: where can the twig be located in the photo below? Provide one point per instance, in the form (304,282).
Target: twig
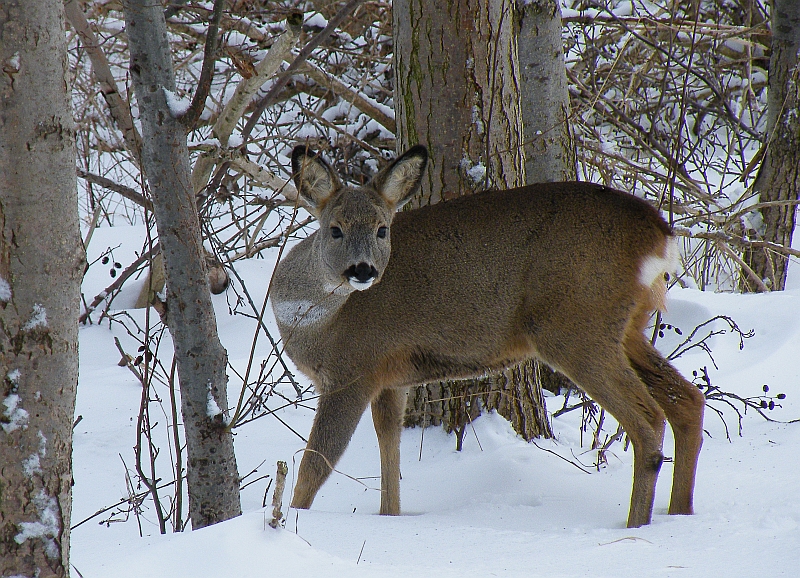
(118,106)
(722,246)
(126,192)
(192,115)
(277,496)
(119,281)
(283,80)
(130,499)
(247,87)
(361,552)
(339,88)
(581,468)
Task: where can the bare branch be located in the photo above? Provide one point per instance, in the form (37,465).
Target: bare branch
(247,87)
(118,282)
(117,104)
(371,109)
(122,190)
(283,80)
(190,118)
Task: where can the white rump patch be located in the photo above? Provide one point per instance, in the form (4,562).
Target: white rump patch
(654,266)
(300,312)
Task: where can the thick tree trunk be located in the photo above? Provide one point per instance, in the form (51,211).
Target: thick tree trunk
(778,178)
(212,476)
(41,266)
(457,92)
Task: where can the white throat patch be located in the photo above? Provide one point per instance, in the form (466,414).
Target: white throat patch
(300,312)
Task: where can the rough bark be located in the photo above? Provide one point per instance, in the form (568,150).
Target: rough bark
(457,92)
(212,477)
(40,277)
(779,175)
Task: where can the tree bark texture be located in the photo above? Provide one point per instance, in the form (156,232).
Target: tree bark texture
(212,477)
(41,267)
(544,95)
(549,148)
(457,92)
(779,175)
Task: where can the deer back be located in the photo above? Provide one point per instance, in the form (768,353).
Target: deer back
(466,286)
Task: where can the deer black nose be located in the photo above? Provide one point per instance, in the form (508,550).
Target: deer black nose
(363,272)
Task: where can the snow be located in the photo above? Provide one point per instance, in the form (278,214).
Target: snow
(212,408)
(501,507)
(14,416)
(31,465)
(177,106)
(38,318)
(5,291)
(316,20)
(14,63)
(476,173)
(46,528)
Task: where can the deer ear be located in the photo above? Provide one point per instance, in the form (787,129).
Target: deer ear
(399,181)
(315,180)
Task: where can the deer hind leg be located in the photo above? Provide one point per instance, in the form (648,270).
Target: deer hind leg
(338,414)
(604,373)
(387,415)
(683,405)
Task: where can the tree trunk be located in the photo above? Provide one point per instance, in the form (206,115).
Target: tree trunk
(41,266)
(778,178)
(549,147)
(212,476)
(457,92)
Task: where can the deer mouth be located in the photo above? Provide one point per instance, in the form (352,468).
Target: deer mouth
(361,276)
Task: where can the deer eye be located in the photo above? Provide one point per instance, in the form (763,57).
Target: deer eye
(382,232)
(336,233)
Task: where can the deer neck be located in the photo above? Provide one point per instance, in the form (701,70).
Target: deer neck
(307,302)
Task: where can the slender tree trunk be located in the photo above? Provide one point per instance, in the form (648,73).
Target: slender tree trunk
(457,92)
(778,178)
(549,147)
(212,476)
(41,266)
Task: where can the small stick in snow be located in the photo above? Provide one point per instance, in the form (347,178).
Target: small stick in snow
(277,496)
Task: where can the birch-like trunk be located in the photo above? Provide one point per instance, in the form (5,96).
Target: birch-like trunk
(457,92)
(41,266)
(549,147)
(778,178)
(212,477)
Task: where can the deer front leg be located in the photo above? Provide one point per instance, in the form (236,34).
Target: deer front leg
(387,415)
(338,414)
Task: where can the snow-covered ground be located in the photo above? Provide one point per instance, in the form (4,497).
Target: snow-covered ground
(501,507)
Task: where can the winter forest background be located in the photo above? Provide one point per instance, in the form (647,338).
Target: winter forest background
(691,105)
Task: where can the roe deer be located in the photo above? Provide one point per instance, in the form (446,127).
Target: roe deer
(566,272)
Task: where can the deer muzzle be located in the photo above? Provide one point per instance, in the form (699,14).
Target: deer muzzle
(361,276)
